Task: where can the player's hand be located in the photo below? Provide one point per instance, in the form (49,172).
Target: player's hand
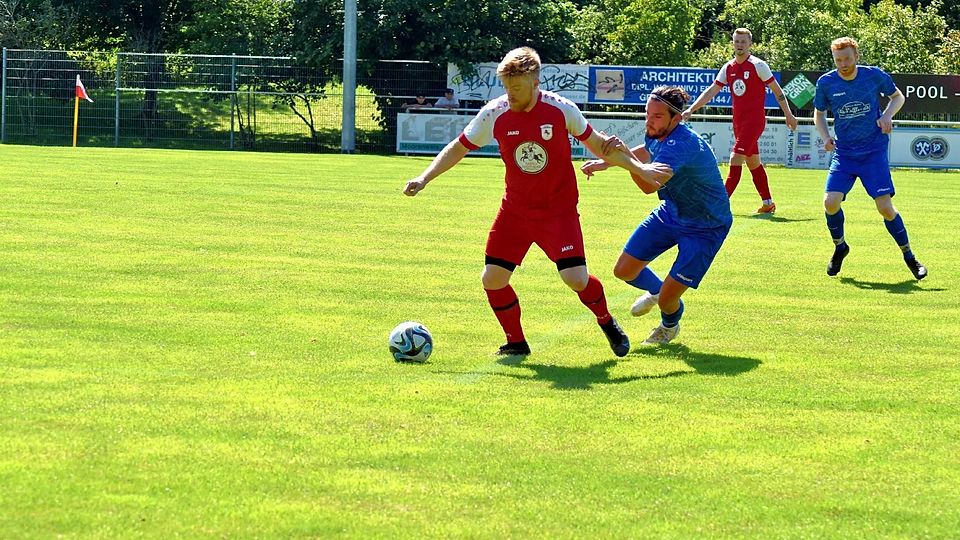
(885,123)
(594,165)
(686,114)
(792,122)
(612,144)
(414,186)
(830,145)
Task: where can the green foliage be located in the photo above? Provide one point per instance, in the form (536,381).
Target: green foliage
(36,24)
(591,43)
(248,27)
(950,53)
(789,34)
(900,39)
(638,32)
(440,31)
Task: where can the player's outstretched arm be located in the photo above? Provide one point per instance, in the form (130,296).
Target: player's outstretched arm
(649,178)
(446,159)
(702,100)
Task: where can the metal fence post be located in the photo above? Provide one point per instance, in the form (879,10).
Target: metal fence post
(233,95)
(3,100)
(348,136)
(116,107)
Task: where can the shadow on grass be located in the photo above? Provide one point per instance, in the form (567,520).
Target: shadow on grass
(584,378)
(908,286)
(774,218)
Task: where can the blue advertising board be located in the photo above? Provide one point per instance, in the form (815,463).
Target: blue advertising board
(629,85)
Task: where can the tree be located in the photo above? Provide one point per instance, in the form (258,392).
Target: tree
(915,45)
(245,27)
(439,31)
(640,32)
(29,24)
(950,54)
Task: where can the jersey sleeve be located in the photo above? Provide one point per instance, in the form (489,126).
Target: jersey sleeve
(576,123)
(820,96)
(763,71)
(721,78)
(886,84)
(479,132)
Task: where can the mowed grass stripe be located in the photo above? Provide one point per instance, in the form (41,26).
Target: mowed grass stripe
(194,343)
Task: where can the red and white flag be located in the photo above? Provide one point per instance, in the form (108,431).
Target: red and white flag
(81,91)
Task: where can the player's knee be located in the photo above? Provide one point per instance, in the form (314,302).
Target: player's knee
(831,204)
(494,279)
(624,272)
(888,212)
(576,278)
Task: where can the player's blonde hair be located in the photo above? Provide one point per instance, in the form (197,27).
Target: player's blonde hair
(518,62)
(743,31)
(843,43)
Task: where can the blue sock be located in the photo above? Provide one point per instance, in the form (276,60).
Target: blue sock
(647,280)
(898,231)
(835,225)
(672,319)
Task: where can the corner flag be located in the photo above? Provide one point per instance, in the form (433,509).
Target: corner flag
(81,91)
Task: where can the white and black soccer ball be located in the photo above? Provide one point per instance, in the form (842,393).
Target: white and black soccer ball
(411,342)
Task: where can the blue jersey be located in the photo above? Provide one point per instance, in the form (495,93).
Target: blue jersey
(694,196)
(856,108)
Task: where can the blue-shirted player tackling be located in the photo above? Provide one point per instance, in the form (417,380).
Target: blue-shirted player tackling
(694,216)
(852,92)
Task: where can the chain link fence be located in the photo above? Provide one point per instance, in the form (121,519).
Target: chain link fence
(233,102)
(202,101)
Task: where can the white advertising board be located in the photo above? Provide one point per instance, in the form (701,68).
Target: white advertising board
(925,147)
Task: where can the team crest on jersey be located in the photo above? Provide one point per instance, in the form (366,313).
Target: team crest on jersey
(739,87)
(746,75)
(546,131)
(530,157)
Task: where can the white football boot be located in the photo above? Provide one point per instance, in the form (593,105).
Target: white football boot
(662,335)
(644,304)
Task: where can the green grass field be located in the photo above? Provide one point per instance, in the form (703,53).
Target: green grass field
(194,345)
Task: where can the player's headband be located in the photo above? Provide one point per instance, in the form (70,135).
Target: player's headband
(671,105)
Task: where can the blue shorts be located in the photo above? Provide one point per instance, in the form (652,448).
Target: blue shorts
(873,170)
(696,247)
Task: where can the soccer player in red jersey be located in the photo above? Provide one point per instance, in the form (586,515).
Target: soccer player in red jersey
(748,78)
(531,127)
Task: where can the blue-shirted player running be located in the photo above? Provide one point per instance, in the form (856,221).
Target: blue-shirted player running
(852,92)
(694,216)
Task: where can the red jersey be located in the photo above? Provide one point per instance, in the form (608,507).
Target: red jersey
(748,87)
(535,147)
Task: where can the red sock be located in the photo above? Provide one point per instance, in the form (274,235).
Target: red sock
(733,178)
(506,306)
(592,297)
(760,180)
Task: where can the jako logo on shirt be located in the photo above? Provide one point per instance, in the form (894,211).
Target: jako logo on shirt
(566,248)
(546,131)
(530,157)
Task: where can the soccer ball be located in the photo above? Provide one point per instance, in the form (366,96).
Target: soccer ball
(411,342)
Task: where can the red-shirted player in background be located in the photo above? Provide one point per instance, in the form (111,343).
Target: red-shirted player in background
(748,78)
(539,206)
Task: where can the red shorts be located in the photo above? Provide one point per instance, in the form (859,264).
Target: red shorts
(747,135)
(512,234)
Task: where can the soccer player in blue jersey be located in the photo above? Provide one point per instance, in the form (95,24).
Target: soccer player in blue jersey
(852,93)
(680,167)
